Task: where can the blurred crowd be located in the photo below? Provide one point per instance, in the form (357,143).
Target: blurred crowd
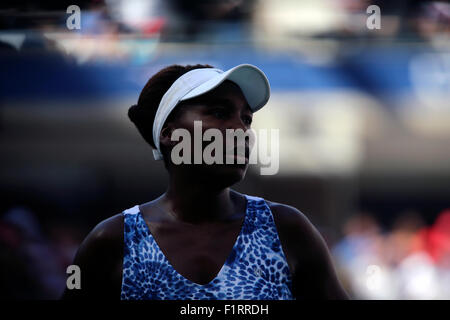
(408,260)
(115,29)
(34,256)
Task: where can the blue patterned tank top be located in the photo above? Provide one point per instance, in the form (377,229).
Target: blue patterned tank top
(256,268)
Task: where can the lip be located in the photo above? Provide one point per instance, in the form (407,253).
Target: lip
(236,158)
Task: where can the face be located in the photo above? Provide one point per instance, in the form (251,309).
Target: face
(223,108)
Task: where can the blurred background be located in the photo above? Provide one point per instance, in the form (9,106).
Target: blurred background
(363,116)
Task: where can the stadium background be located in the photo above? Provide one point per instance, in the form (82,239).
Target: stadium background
(363,117)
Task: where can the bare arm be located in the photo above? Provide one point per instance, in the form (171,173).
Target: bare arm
(314,275)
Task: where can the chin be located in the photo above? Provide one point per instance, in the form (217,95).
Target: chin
(225,175)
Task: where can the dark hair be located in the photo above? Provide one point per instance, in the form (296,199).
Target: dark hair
(143,114)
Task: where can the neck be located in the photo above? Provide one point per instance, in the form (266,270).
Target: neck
(196,202)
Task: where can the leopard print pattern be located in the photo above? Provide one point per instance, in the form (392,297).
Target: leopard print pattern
(256,268)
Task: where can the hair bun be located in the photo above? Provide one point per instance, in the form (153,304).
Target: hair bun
(133,113)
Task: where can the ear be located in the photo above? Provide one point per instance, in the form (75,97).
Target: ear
(166,135)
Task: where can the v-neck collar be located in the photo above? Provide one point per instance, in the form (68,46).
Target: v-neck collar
(230,256)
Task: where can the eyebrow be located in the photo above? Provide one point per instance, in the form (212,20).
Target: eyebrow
(222,101)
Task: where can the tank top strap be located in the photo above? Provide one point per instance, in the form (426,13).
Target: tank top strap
(133,232)
(131,211)
(130,220)
(260,215)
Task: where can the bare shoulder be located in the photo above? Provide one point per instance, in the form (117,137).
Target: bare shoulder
(106,236)
(109,230)
(300,239)
(291,220)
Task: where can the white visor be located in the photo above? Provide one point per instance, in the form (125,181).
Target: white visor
(250,79)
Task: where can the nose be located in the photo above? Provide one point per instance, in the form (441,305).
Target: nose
(238,122)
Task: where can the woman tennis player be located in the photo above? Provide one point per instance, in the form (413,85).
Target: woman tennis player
(201,239)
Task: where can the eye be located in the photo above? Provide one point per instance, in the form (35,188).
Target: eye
(248,120)
(219,113)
